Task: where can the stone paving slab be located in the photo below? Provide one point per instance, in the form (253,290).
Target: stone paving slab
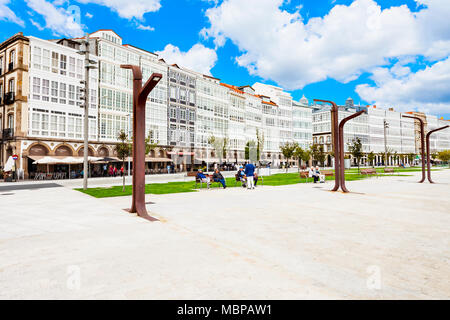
(287,242)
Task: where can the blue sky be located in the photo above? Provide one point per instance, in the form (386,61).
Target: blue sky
(393,53)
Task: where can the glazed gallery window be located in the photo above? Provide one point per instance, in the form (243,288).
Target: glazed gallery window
(63,65)
(53,125)
(36,88)
(173,113)
(173,92)
(55,57)
(72,66)
(54,91)
(37,56)
(62,93)
(45,90)
(183,94)
(182,114)
(71,94)
(46,60)
(79,68)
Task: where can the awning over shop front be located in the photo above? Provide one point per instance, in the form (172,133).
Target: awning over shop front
(150,159)
(158,160)
(61,160)
(180,153)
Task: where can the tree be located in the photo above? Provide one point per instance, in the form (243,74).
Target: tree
(317,152)
(123,150)
(371,158)
(445,156)
(220,145)
(150,144)
(251,145)
(355,149)
(259,143)
(224,146)
(288,149)
(301,155)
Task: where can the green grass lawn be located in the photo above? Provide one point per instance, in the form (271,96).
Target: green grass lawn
(396,169)
(181,187)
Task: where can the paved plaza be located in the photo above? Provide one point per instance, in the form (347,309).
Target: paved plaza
(388,240)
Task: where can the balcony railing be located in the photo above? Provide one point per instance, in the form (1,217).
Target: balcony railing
(8,134)
(10,66)
(9,98)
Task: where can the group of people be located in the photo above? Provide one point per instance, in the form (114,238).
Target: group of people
(246,175)
(217,177)
(316,175)
(112,171)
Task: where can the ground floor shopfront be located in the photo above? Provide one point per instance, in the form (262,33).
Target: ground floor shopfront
(57,153)
(162,159)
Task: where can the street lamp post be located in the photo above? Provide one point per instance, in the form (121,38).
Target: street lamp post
(129,135)
(87,65)
(386,126)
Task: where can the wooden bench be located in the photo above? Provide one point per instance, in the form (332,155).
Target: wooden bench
(304,174)
(389,170)
(369,172)
(200,182)
(327,173)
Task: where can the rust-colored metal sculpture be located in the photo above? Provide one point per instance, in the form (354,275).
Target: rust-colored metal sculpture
(429,153)
(338,144)
(342,148)
(140,94)
(335,134)
(422,138)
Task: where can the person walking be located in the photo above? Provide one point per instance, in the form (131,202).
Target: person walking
(218,177)
(249,173)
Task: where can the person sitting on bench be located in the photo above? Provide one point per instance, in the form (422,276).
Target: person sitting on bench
(218,177)
(318,176)
(203,178)
(242,177)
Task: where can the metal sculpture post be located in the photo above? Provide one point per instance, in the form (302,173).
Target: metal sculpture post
(140,94)
(341,148)
(422,138)
(335,134)
(429,153)
(338,144)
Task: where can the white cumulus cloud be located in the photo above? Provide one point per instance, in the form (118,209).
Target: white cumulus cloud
(348,41)
(427,90)
(199,58)
(56,19)
(7,14)
(128,9)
